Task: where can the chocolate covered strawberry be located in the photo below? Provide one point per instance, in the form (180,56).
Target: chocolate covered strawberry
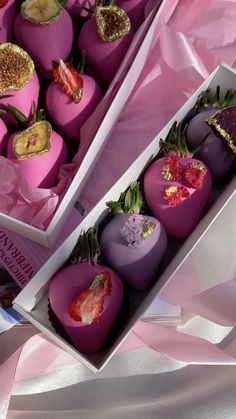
(105,38)
(135,10)
(86,297)
(213,132)
(177,186)
(133,244)
(71,99)
(39,152)
(8,12)
(3,138)
(19,84)
(45,29)
(79,8)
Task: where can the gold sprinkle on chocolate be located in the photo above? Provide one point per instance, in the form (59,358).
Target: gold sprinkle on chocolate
(166,174)
(42,12)
(212,120)
(147,230)
(16,67)
(33,141)
(170,190)
(112,23)
(199,166)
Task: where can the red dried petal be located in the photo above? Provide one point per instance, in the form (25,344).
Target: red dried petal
(3,3)
(87,306)
(69,79)
(193,174)
(171,168)
(174,195)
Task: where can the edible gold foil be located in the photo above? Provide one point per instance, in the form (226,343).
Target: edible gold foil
(16,67)
(212,120)
(33,141)
(112,23)
(42,12)
(166,174)
(147,230)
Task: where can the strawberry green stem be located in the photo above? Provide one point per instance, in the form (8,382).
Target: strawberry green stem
(82,62)
(129,201)
(87,248)
(176,141)
(206,100)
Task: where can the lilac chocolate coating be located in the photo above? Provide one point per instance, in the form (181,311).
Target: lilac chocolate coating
(41,170)
(104,58)
(137,265)
(73,7)
(178,221)
(7,17)
(65,286)
(213,150)
(46,43)
(135,11)
(67,115)
(3,138)
(22,99)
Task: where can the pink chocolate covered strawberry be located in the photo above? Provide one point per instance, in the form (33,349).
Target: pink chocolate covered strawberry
(39,151)
(19,84)
(133,244)
(8,12)
(45,29)
(86,297)
(71,99)
(212,131)
(105,38)
(3,138)
(177,186)
(79,8)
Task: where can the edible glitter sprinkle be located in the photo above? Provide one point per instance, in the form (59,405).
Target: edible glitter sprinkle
(112,23)
(16,67)
(174,195)
(171,168)
(194,174)
(137,229)
(223,120)
(42,12)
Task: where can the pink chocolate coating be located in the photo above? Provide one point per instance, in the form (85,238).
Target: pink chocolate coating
(135,11)
(178,221)
(67,115)
(46,43)
(41,170)
(22,99)
(104,58)
(3,138)
(65,286)
(137,265)
(7,17)
(73,7)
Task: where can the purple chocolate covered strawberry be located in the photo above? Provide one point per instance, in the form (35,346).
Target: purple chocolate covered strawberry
(177,186)
(213,132)
(105,38)
(86,297)
(71,99)
(3,138)
(8,12)
(133,244)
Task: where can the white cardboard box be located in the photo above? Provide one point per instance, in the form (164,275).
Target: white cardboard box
(96,134)
(32,301)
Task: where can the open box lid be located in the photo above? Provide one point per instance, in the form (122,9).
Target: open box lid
(98,133)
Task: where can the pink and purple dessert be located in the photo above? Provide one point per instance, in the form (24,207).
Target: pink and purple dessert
(105,38)
(177,186)
(71,99)
(3,138)
(77,8)
(8,12)
(135,10)
(133,244)
(45,29)
(18,80)
(39,151)
(86,298)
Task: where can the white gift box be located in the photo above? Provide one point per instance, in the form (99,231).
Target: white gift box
(97,133)
(33,300)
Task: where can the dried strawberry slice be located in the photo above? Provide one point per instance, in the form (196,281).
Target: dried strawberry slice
(174,195)
(193,174)
(87,306)
(3,3)
(171,168)
(69,79)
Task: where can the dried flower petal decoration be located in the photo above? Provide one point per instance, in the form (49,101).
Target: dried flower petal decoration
(88,305)
(112,22)
(69,79)
(223,121)
(137,229)
(16,67)
(175,195)
(3,3)
(193,174)
(171,168)
(42,12)
(33,141)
